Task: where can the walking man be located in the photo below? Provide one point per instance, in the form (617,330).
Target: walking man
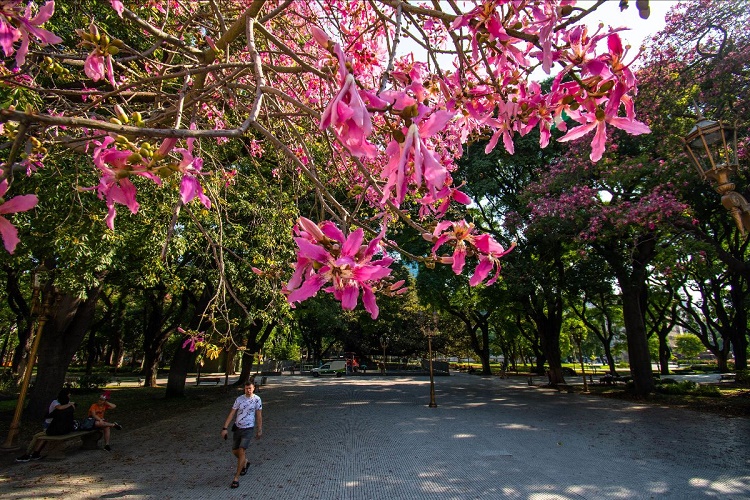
(247,412)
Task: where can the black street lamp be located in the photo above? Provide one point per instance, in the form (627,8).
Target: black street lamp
(431,332)
(712,148)
(384,343)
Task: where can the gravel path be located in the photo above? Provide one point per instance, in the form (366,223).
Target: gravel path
(372,437)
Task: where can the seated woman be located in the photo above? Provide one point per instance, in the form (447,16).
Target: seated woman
(96,411)
(62,421)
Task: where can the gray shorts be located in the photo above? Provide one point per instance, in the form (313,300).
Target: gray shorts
(242,437)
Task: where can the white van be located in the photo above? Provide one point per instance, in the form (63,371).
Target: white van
(337,368)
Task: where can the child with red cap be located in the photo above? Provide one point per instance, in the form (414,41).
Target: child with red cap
(96,411)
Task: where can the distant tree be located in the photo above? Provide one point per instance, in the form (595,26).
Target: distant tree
(688,345)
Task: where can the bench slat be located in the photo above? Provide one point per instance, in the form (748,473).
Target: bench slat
(70,435)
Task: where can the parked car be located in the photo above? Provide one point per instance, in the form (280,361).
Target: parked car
(337,368)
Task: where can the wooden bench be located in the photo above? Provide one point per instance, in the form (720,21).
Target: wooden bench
(55,447)
(609,379)
(729,377)
(208,380)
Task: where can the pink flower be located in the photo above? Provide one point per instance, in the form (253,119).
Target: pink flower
(413,162)
(94,66)
(15,26)
(193,339)
(190,166)
(114,185)
(597,119)
(98,65)
(325,255)
(118,6)
(465,243)
(349,118)
(17,204)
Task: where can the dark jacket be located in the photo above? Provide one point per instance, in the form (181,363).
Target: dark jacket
(62,422)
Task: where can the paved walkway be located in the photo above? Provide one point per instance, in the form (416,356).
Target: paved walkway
(372,437)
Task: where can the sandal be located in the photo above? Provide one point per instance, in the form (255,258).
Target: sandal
(245,468)
(235,484)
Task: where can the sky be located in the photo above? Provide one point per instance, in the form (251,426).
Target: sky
(640,29)
(609,14)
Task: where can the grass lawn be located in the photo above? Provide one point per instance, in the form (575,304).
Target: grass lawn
(733,402)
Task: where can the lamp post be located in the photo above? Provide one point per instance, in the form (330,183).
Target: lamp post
(578,336)
(712,148)
(10,441)
(431,331)
(384,343)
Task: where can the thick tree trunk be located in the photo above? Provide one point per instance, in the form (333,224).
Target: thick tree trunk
(178,371)
(247,365)
(721,363)
(551,347)
(481,349)
(739,327)
(24,316)
(181,361)
(635,331)
(151,364)
(69,321)
(91,352)
(231,353)
(665,353)
(610,358)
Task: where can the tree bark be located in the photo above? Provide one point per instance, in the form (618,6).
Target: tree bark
(739,294)
(70,319)
(635,331)
(181,360)
(178,370)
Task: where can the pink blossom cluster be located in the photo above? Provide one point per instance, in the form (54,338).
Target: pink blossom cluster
(119,161)
(325,255)
(192,340)
(18,22)
(22,203)
(398,124)
(467,243)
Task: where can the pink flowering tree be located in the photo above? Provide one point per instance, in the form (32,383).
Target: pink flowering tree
(643,195)
(699,63)
(145,92)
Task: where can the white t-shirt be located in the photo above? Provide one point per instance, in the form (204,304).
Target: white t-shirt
(48,421)
(246,408)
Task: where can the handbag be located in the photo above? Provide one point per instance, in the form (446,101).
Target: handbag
(87,424)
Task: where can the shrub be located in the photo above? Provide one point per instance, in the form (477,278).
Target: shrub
(688,387)
(8,383)
(93,381)
(668,381)
(743,377)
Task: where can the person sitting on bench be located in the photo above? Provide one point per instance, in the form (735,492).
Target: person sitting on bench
(62,422)
(96,411)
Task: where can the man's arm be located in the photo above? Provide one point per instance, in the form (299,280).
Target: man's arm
(228,421)
(258,423)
